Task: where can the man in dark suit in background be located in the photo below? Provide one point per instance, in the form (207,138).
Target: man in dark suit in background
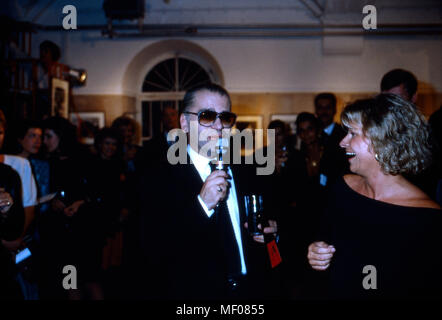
(155,150)
(334,162)
(194,240)
(400,82)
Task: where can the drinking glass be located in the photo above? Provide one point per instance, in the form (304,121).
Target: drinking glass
(254,211)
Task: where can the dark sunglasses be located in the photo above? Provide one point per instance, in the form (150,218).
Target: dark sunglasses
(207,118)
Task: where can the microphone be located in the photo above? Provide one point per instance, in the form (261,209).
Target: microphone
(220,165)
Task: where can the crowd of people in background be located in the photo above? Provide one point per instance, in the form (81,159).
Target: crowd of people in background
(77,200)
(81,204)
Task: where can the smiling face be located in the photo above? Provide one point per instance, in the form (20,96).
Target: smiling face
(206,100)
(358,148)
(31,142)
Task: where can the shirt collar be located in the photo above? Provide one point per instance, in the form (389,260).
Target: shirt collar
(329,129)
(199,161)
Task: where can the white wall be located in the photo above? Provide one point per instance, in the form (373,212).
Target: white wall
(262,65)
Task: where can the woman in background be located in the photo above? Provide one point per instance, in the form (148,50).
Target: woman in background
(11,227)
(136,160)
(29,137)
(29,201)
(66,229)
(28,187)
(106,182)
(308,130)
(127,127)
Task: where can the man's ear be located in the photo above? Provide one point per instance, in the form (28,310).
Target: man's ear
(184,123)
(414,98)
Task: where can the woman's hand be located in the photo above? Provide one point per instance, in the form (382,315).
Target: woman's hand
(6,201)
(320,255)
(73,208)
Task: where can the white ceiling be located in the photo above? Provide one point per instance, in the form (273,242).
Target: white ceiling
(90,12)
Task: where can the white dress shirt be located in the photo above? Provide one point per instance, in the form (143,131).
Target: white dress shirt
(24,170)
(202,165)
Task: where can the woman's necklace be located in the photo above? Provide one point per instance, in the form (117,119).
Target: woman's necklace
(313,157)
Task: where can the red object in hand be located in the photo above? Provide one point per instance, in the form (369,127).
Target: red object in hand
(275,257)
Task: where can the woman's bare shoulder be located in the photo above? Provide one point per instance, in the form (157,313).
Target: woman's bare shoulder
(415,197)
(423,201)
(407,194)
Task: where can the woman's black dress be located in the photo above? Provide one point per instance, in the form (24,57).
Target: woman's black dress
(402,243)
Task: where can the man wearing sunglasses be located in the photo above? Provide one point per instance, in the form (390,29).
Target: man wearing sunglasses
(187,256)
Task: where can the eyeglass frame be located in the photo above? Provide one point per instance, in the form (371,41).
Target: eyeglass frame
(217,117)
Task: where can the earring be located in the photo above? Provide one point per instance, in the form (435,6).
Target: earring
(376,156)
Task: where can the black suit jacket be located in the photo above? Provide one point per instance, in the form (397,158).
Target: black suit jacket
(179,241)
(155,151)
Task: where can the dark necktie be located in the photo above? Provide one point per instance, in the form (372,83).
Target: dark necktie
(226,236)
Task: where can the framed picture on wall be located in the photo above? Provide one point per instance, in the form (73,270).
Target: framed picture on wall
(60,98)
(88,124)
(252,122)
(290,119)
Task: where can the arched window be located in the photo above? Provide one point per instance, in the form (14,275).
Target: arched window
(165,85)
(177,74)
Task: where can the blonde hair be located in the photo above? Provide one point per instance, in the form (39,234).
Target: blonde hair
(398,132)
